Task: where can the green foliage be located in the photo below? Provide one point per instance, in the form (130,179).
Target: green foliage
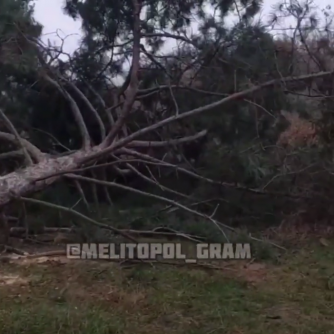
(16,20)
(241,149)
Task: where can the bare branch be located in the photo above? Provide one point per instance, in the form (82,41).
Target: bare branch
(12,154)
(76,111)
(33,150)
(18,138)
(80,215)
(199,177)
(239,95)
(138,143)
(82,194)
(217,223)
(106,189)
(103,104)
(168,35)
(133,85)
(154,182)
(90,107)
(74,107)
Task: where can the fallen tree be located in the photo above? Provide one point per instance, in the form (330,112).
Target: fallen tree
(46,168)
(118,143)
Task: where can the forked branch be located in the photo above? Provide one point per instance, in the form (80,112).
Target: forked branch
(132,90)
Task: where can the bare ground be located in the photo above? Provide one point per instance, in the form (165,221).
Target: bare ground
(57,295)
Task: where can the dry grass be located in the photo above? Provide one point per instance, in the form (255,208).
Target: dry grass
(98,298)
(300,132)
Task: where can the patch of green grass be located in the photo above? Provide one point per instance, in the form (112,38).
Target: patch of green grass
(294,297)
(47,318)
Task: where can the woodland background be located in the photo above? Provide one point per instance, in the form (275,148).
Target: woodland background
(242,163)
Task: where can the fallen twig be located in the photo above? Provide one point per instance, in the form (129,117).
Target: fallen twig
(131,261)
(170,234)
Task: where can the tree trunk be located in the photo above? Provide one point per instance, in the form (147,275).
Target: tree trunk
(22,182)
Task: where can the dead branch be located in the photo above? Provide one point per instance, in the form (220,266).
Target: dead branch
(82,194)
(205,266)
(133,85)
(90,107)
(75,110)
(80,215)
(12,154)
(23,230)
(157,184)
(18,138)
(154,232)
(107,111)
(148,159)
(138,143)
(33,150)
(239,95)
(166,200)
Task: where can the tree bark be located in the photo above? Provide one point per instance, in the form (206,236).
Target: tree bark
(23,182)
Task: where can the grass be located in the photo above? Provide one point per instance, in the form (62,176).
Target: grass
(294,296)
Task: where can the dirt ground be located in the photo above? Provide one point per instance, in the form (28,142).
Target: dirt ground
(293,294)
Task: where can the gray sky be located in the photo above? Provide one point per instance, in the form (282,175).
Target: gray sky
(49,13)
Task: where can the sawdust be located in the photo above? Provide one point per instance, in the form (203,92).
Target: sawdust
(6,279)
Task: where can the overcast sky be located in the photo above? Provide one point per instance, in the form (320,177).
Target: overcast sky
(49,13)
